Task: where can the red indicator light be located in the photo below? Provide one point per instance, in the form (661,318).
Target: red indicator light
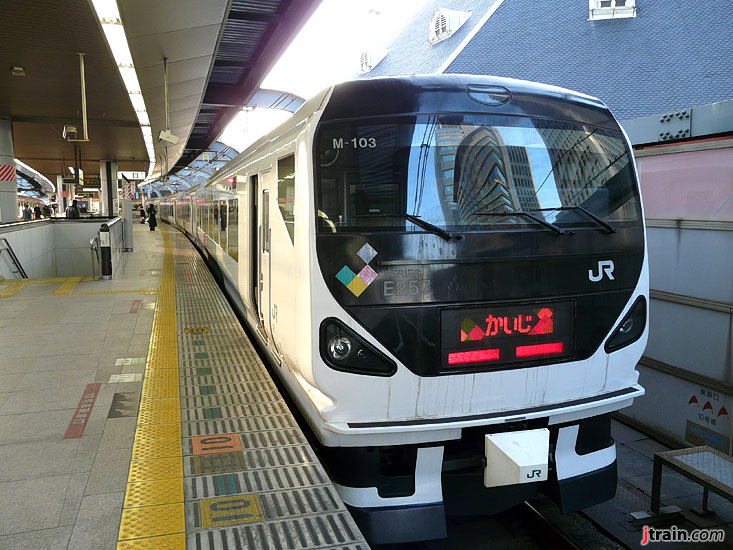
(230,180)
(539,350)
(462,357)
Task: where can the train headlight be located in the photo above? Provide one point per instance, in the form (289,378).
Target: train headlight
(339,348)
(343,350)
(631,327)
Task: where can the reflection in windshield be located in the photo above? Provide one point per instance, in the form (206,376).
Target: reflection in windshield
(453,170)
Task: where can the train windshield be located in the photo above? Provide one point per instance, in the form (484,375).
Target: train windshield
(465,172)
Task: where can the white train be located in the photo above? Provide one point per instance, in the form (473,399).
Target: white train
(449,274)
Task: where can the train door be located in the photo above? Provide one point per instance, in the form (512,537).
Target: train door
(263,300)
(254,258)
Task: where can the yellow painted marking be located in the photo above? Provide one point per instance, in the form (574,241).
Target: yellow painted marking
(167,542)
(150,493)
(155,468)
(151,521)
(156,471)
(234,510)
(13,288)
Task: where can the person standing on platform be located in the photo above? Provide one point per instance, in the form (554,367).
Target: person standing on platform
(46,211)
(72,211)
(152,222)
(37,212)
(27,214)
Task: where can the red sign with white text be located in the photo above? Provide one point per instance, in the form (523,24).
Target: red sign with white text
(83,412)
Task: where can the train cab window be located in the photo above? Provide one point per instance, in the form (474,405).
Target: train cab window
(232,228)
(286,193)
(472,172)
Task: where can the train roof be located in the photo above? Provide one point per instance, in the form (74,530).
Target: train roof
(435,93)
(385,96)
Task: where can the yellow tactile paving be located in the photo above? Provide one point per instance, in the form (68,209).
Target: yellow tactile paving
(162,404)
(167,542)
(136,291)
(151,393)
(156,471)
(158,431)
(155,468)
(67,287)
(13,288)
(151,521)
(158,416)
(149,493)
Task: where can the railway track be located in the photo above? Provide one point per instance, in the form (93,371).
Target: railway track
(534,525)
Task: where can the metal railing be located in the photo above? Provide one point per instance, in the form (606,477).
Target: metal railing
(19,268)
(94,251)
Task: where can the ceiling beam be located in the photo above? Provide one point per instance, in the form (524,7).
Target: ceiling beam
(73,120)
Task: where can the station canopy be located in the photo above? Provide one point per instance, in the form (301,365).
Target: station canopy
(218,52)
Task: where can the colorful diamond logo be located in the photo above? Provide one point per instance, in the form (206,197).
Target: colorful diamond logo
(345,275)
(359,283)
(367,275)
(366,253)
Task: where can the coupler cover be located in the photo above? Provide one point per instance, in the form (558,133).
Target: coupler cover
(516,457)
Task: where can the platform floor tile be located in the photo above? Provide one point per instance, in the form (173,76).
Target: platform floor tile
(217,453)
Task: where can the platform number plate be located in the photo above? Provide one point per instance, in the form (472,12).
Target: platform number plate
(196,330)
(224,443)
(217,512)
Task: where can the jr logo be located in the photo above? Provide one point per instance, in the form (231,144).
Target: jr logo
(534,473)
(604,266)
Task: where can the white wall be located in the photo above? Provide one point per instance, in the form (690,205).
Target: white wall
(55,248)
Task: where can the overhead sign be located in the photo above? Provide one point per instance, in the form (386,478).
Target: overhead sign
(131,175)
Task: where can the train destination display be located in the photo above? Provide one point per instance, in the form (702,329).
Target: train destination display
(507,334)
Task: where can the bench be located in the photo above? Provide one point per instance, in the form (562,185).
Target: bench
(708,467)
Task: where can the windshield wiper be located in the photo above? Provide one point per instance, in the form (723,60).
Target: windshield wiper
(427,226)
(609,228)
(548,225)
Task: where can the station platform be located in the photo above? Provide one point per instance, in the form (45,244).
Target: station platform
(135,413)
(635,457)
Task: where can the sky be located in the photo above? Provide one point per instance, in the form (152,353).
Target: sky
(326,51)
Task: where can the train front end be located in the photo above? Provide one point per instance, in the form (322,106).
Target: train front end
(480,291)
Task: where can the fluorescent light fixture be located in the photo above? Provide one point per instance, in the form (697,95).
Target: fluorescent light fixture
(90,189)
(106,9)
(71,169)
(129,76)
(138,103)
(114,32)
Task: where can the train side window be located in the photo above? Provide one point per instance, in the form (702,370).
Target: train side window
(223,224)
(286,193)
(232,229)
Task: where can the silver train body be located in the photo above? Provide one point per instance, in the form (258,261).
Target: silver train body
(440,268)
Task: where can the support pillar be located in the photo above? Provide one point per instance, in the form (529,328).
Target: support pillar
(109,194)
(8,184)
